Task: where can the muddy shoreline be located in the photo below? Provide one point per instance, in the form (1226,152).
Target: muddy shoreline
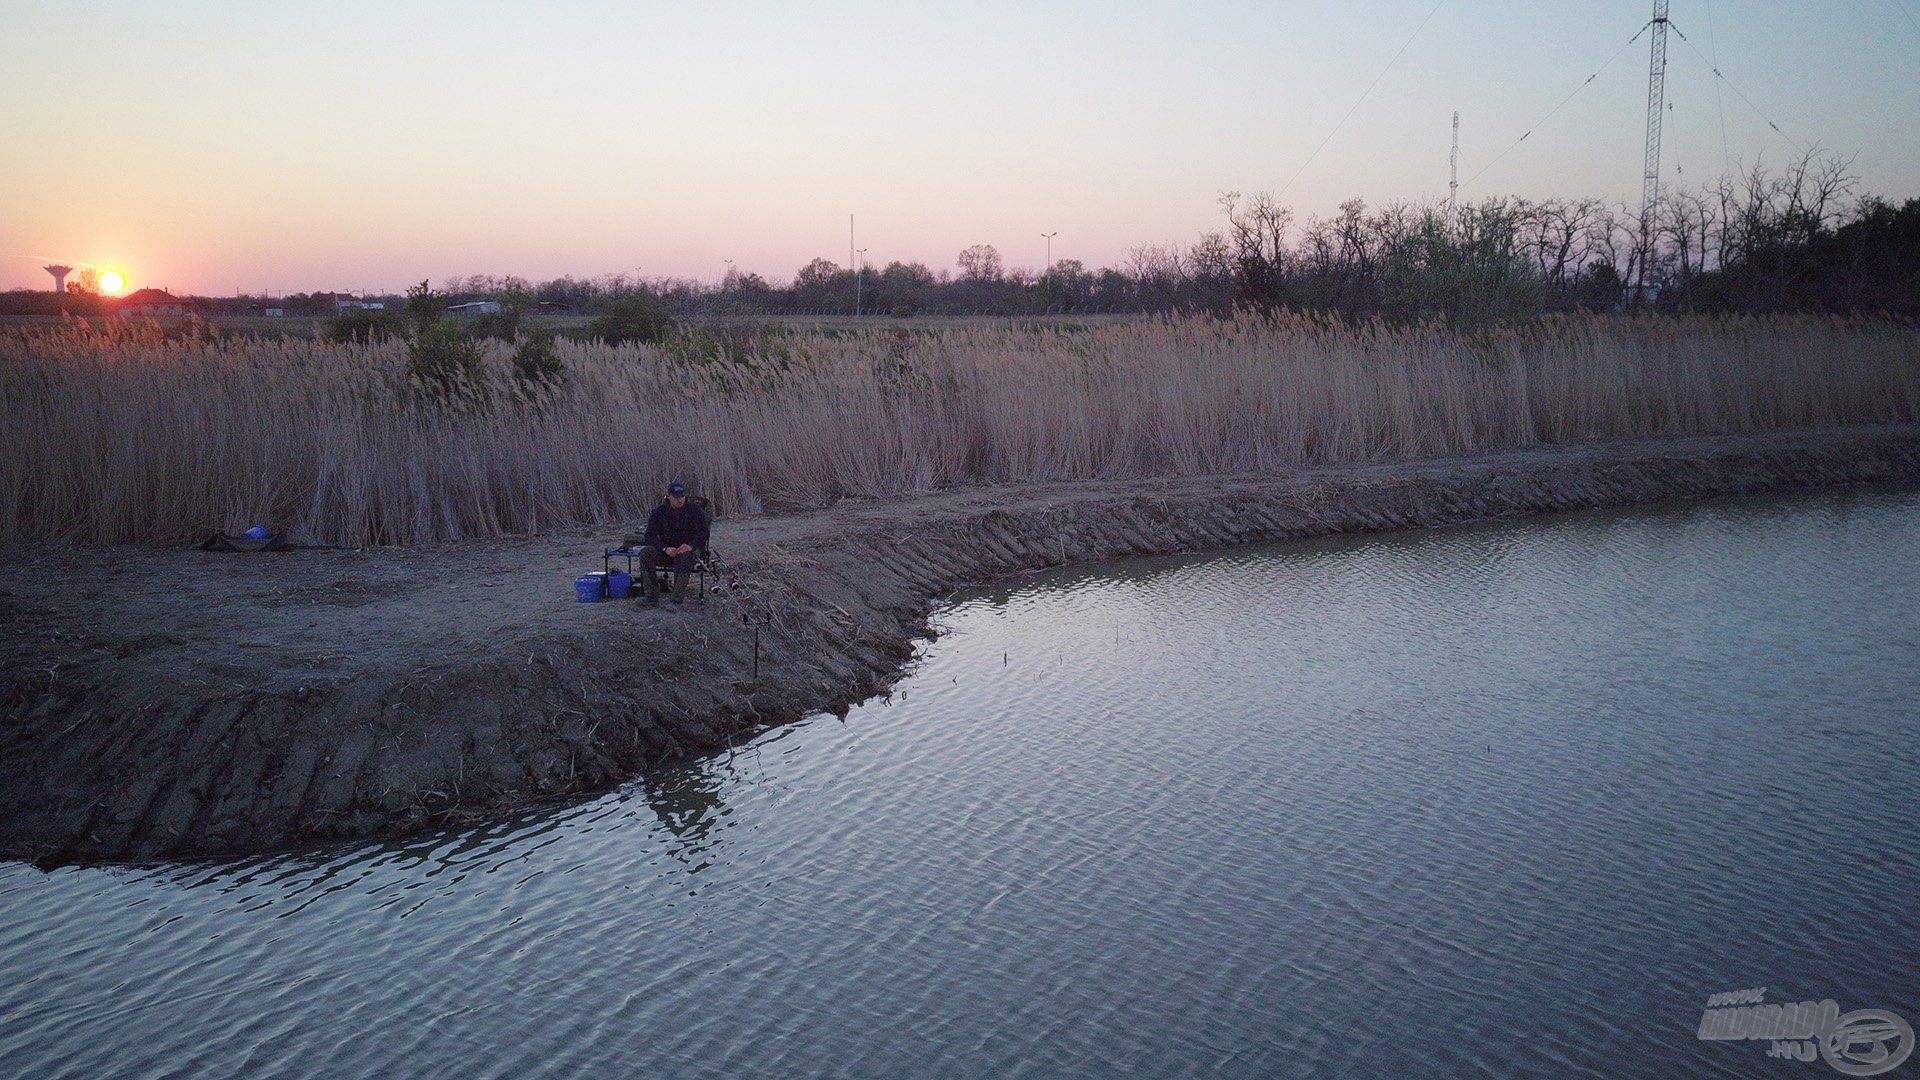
(166,703)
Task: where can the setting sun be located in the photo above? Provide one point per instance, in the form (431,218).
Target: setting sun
(1328,386)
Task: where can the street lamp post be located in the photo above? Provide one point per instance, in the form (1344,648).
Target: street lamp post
(1046,276)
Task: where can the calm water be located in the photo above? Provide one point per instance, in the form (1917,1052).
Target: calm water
(1505,800)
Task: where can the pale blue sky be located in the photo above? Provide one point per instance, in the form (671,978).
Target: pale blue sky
(213,146)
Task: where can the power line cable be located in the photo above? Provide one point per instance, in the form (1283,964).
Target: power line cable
(1673,139)
(1362,99)
(1903,10)
(1563,102)
(1719,98)
(1718,74)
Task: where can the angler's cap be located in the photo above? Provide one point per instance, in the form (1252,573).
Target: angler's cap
(676,488)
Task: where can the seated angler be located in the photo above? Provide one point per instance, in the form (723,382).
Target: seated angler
(676,536)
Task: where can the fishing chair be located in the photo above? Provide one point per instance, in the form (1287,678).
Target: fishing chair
(704,559)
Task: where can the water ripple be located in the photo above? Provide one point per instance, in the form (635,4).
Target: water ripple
(1490,801)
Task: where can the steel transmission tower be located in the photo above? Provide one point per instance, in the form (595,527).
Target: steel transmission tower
(1453,166)
(1656,105)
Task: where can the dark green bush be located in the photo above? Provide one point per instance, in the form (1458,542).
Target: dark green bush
(746,348)
(636,318)
(424,306)
(693,345)
(362,325)
(537,362)
(445,362)
(505,323)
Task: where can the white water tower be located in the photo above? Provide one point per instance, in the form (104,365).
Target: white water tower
(59,276)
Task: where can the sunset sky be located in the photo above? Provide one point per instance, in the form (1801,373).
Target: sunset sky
(211,147)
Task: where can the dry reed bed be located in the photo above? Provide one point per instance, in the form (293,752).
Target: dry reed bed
(124,435)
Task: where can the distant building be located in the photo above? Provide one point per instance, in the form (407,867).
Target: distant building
(153,304)
(345,302)
(478,307)
(275,312)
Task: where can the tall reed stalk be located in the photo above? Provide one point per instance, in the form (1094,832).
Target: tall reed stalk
(127,435)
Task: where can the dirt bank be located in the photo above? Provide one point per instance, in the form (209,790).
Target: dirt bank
(165,703)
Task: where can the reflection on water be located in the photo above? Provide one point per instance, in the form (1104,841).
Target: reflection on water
(1487,801)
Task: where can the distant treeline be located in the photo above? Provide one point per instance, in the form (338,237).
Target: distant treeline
(1801,239)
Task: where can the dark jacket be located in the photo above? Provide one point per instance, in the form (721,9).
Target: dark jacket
(667,527)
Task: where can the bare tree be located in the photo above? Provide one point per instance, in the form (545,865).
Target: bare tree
(981,262)
(1257,232)
(1559,233)
(1685,226)
(1813,185)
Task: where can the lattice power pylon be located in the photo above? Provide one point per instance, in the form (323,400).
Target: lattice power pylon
(1656,106)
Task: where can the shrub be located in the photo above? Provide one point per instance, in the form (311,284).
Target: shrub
(446,363)
(363,326)
(633,319)
(424,306)
(743,348)
(536,362)
(505,323)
